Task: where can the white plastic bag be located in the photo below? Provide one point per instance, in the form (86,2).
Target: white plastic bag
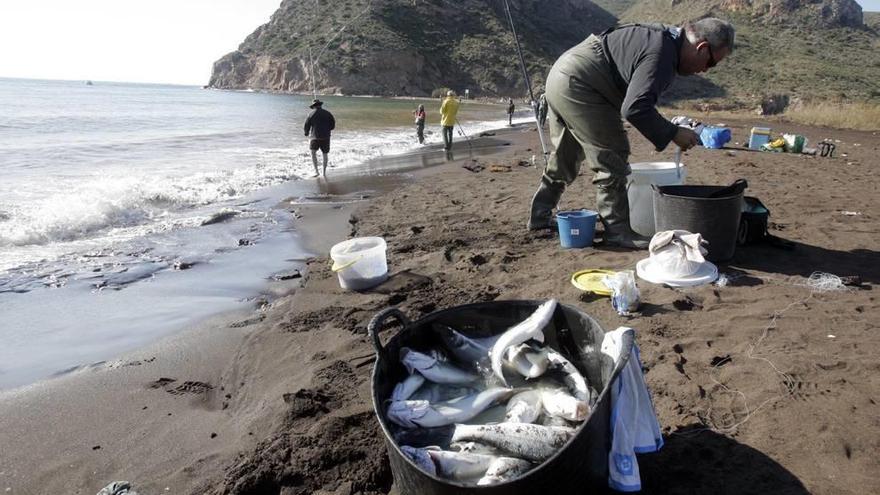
(625,298)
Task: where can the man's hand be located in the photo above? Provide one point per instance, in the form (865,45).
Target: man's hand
(686,138)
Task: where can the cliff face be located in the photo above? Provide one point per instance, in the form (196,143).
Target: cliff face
(406,47)
(802,48)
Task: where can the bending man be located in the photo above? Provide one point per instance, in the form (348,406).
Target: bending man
(619,73)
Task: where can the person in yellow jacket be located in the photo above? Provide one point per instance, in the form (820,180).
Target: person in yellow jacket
(448,111)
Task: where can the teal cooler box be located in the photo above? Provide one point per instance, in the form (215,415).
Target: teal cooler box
(758,137)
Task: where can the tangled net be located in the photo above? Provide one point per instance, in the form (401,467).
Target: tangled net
(825,282)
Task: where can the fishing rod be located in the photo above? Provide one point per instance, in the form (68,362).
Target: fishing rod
(522,64)
(311,59)
(462,133)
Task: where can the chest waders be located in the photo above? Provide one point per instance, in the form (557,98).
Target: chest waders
(585,125)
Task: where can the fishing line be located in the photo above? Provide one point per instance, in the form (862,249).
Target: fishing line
(461,132)
(818,282)
(522,64)
(314,61)
(343,28)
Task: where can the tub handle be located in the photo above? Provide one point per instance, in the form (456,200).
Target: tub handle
(338,268)
(378,322)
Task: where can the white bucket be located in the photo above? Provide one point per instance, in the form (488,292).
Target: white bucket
(360,262)
(641,196)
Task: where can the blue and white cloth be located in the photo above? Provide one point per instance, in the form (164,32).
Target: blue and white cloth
(634,425)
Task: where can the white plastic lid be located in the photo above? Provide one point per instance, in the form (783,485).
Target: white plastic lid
(649,272)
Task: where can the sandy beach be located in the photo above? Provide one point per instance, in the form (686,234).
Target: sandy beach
(761,385)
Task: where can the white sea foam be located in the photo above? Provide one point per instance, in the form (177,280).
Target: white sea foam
(87,206)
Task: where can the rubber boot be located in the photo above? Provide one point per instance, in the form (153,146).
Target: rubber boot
(613,206)
(543,202)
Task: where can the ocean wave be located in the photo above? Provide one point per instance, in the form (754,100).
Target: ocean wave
(120,202)
(87,208)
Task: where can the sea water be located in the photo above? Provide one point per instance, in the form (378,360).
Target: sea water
(129,211)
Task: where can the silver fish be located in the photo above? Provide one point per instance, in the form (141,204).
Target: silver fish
(460,466)
(434,369)
(466,466)
(557,402)
(421,458)
(529,329)
(423,414)
(526,441)
(405,389)
(571,376)
(437,392)
(524,407)
(473,448)
(494,414)
(551,420)
(527,361)
(504,469)
(466,350)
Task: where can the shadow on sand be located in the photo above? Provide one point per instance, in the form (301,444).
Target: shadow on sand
(700,461)
(805,259)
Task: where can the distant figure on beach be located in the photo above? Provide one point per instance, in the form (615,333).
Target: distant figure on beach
(510,108)
(318,126)
(542,109)
(619,73)
(420,123)
(448,112)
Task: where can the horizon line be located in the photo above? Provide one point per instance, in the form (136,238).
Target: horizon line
(62,79)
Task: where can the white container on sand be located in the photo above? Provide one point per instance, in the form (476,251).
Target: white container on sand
(641,195)
(360,263)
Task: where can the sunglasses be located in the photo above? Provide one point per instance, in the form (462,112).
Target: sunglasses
(712,62)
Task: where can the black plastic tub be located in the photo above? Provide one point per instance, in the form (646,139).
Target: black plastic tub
(580,464)
(712,211)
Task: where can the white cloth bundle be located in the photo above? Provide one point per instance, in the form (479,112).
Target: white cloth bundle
(677,253)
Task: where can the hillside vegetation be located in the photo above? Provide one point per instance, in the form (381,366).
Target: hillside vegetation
(805,50)
(406,47)
(797,52)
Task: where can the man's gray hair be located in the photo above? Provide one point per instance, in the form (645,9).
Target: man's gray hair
(718,33)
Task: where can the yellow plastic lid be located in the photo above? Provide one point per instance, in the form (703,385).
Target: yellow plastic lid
(591,281)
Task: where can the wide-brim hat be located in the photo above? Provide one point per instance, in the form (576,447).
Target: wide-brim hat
(316,103)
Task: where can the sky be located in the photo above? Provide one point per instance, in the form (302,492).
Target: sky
(869,5)
(160,41)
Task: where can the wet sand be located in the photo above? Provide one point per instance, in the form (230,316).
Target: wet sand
(761,386)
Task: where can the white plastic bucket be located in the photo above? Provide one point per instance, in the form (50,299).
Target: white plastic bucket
(641,196)
(360,262)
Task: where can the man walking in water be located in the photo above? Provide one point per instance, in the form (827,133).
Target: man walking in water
(510,109)
(448,112)
(318,126)
(619,73)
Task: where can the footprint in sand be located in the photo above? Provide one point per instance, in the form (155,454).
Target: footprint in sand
(190,387)
(161,382)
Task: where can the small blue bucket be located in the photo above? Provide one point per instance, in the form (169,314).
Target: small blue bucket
(576,228)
